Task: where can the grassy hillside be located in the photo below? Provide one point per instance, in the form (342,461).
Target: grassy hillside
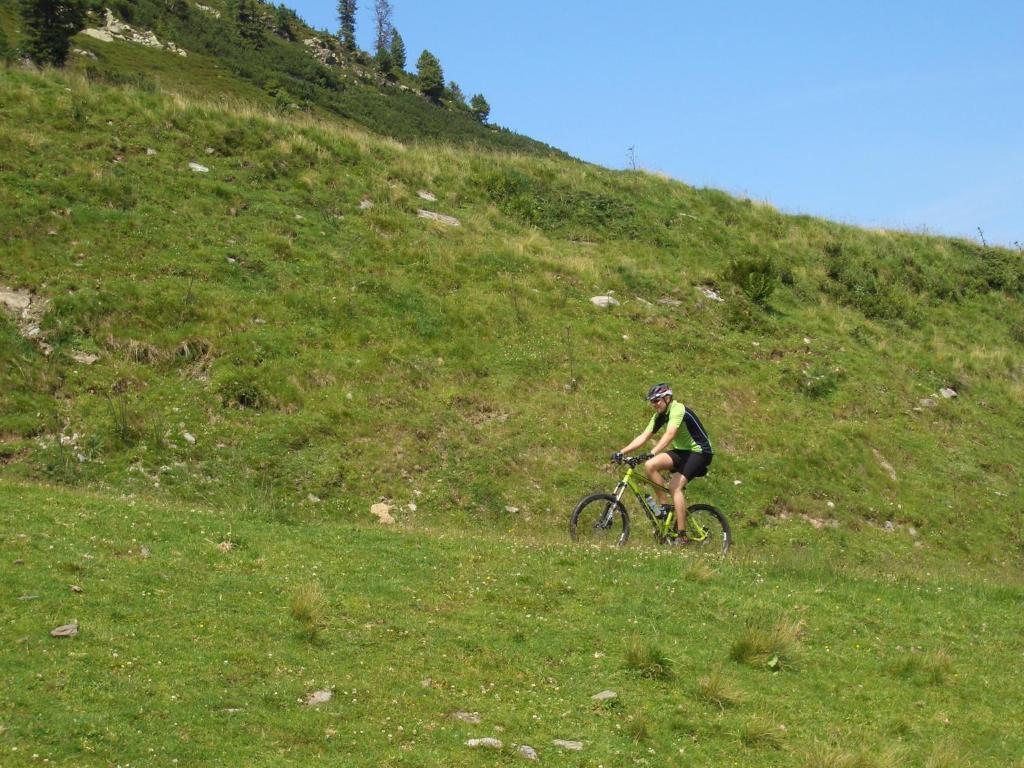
(311,345)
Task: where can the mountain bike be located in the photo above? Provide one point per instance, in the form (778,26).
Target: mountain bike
(602,517)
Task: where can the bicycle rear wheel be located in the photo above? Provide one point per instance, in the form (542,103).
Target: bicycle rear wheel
(707,528)
(599,519)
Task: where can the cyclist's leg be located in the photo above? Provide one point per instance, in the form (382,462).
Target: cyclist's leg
(676,485)
(686,465)
(653,468)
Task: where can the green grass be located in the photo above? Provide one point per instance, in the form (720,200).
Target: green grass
(189,649)
(273,359)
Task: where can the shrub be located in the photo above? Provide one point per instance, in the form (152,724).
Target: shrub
(755,276)
(241,389)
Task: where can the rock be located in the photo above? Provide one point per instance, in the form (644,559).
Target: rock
(225,546)
(318,697)
(575,746)
(312,498)
(65,630)
(528,752)
(889,526)
(428,196)
(382,512)
(927,402)
(889,470)
(365,204)
(512,510)
(75,588)
(84,358)
(473,718)
(189,438)
(948,393)
(711,293)
(198,168)
(206,9)
(150,152)
(604,301)
(450,221)
(209,150)
(668,301)
(320,51)
(99,34)
(487,741)
(605,696)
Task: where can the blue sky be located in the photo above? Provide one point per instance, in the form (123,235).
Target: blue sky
(906,115)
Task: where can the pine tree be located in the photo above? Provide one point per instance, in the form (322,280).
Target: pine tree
(458,97)
(49,27)
(347,17)
(397,50)
(249,23)
(382,10)
(384,62)
(430,76)
(6,51)
(285,22)
(480,108)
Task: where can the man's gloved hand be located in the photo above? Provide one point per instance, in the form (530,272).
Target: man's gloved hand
(617,457)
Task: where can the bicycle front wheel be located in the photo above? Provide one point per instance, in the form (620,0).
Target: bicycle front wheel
(707,528)
(599,519)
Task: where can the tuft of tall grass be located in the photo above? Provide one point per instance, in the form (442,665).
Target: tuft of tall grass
(932,668)
(768,644)
(719,690)
(760,732)
(649,661)
(309,609)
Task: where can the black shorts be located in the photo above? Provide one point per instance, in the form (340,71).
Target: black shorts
(690,464)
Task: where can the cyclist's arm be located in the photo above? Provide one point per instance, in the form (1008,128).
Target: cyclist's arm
(637,441)
(666,439)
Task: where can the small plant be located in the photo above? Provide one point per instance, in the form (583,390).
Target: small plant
(649,661)
(637,729)
(768,645)
(699,572)
(756,277)
(819,380)
(125,423)
(309,609)
(717,689)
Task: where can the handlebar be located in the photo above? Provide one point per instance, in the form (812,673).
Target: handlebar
(632,460)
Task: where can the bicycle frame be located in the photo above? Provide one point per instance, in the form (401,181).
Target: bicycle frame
(662,527)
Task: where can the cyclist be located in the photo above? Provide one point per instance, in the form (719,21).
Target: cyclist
(688,456)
